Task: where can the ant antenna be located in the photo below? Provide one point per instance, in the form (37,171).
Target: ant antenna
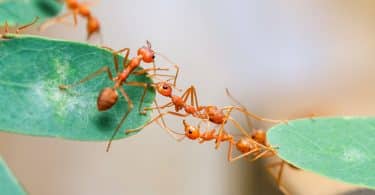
(148,44)
(92,37)
(174,65)
(248,121)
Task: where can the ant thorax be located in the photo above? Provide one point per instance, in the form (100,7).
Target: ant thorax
(178,102)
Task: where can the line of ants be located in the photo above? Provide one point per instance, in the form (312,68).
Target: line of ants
(252,145)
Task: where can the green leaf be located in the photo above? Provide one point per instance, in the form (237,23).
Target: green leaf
(8,183)
(32,68)
(342,148)
(24,11)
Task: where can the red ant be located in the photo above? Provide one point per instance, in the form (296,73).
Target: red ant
(260,137)
(245,145)
(254,144)
(211,113)
(76,8)
(21,28)
(109,96)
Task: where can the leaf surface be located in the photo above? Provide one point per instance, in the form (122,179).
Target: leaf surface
(32,68)
(24,11)
(342,148)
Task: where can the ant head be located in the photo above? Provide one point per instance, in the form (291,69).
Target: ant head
(164,88)
(244,145)
(190,131)
(148,55)
(92,27)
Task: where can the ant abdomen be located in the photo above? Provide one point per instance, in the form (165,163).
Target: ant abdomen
(106,99)
(92,27)
(244,145)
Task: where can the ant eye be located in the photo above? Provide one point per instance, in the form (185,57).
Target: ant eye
(190,132)
(153,57)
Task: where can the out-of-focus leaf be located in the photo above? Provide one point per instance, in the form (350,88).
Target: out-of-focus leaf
(8,183)
(32,68)
(24,11)
(342,148)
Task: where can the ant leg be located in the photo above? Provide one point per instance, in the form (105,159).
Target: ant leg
(169,130)
(231,159)
(243,131)
(250,114)
(169,112)
(229,155)
(176,74)
(165,127)
(6,27)
(59,19)
(186,94)
(259,155)
(278,177)
(160,75)
(89,77)
(27,25)
(75,18)
(115,57)
(169,61)
(194,97)
(248,121)
(189,94)
(280,172)
(218,138)
(170,104)
(238,126)
(145,87)
(130,107)
(128,131)
(143,71)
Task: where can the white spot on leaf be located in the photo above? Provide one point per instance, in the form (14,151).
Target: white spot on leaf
(352,154)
